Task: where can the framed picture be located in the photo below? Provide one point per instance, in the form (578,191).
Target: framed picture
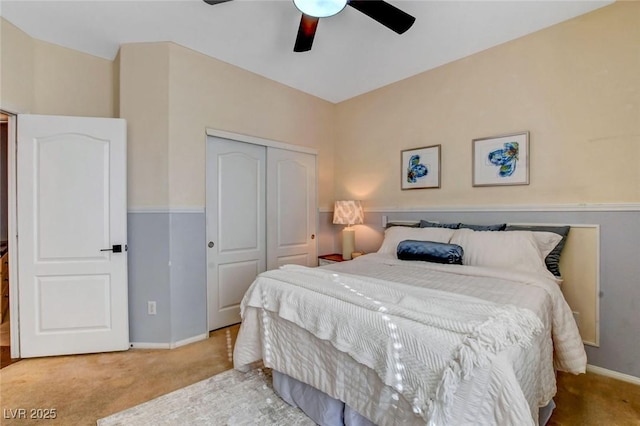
(420,167)
(501,160)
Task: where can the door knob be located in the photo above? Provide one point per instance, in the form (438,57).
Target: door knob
(313,236)
(210,244)
(116,248)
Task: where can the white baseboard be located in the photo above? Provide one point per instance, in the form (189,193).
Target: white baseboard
(174,345)
(613,374)
(190,340)
(145,345)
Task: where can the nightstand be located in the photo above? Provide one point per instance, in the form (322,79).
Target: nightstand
(328,259)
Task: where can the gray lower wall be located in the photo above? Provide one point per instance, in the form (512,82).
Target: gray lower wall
(619,268)
(180,289)
(148,241)
(167,264)
(188,276)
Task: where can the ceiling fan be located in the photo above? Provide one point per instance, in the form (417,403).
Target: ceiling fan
(312,10)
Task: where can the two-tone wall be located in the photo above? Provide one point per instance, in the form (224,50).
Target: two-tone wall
(574,86)
(169,95)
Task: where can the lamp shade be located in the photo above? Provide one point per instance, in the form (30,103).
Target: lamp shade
(348,212)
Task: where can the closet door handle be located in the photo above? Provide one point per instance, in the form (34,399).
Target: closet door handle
(211,244)
(313,236)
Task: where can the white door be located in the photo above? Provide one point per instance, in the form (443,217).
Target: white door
(72,201)
(291,208)
(235,225)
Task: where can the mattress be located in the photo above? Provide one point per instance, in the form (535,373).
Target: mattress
(306,328)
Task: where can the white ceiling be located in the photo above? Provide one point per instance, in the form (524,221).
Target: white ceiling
(352,54)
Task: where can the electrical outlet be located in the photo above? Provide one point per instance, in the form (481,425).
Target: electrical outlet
(151,307)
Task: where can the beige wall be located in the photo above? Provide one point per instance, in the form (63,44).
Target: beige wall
(575,86)
(68,82)
(16,68)
(169,95)
(42,78)
(144,103)
(206,92)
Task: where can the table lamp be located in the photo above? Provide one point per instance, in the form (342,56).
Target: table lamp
(348,212)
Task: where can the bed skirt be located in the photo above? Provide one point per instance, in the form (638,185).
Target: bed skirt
(328,411)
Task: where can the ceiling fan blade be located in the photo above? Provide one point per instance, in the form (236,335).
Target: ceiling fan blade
(214,2)
(385,13)
(306,33)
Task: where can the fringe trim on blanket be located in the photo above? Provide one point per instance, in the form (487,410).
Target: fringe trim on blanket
(512,326)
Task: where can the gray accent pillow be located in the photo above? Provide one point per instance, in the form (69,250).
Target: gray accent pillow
(552,261)
(408,225)
(427,224)
(497,227)
(430,251)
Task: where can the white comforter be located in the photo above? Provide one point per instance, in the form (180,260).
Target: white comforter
(444,342)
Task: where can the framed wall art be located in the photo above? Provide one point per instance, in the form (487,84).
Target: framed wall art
(501,160)
(420,167)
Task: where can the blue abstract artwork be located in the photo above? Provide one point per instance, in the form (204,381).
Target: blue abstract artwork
(501,160)
(420,167)
(505,158)
(416,170)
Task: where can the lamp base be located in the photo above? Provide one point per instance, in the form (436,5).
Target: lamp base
(348,242)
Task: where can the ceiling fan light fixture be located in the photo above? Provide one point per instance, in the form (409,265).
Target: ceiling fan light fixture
(320,8)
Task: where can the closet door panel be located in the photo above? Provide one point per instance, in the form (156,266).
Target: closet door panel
(235,225)
(291,208)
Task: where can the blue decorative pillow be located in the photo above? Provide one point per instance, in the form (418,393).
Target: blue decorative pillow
(430,251)
(497,227)
(427,224)
(552,261)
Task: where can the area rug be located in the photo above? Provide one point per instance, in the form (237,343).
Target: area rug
(229,398)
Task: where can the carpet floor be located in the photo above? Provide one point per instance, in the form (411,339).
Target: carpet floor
(85,388)
(229,398)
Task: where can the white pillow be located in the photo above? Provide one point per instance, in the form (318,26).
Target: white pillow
(546,241)
(513,250)
(394,235)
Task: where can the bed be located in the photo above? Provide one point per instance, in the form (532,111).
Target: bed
(470,331)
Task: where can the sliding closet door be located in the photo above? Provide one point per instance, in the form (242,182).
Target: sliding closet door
(261,214)
(291,208)
(235,225)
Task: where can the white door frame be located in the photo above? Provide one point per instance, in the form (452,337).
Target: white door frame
(259,141)
(263,142)
(12,231)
